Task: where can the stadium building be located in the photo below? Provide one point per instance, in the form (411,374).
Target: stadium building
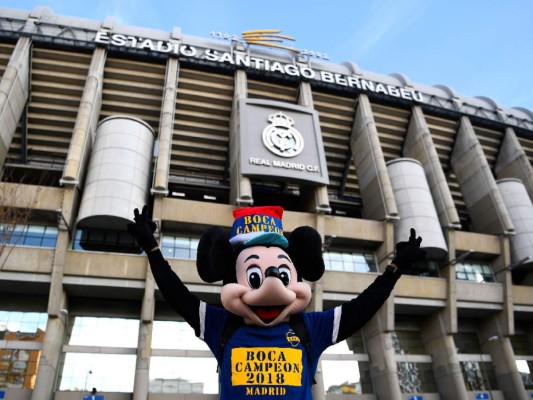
(98,118)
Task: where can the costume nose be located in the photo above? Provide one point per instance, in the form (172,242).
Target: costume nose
(272,271)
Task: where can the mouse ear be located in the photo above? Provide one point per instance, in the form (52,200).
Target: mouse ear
(215,255)
(305,250)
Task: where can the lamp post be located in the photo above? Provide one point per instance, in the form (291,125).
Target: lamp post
(86,379)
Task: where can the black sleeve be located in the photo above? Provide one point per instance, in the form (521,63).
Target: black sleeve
(358,311)
(174,291)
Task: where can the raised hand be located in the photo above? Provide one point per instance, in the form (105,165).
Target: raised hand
(143,229)
(408,252)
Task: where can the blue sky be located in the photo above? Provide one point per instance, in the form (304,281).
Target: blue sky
(476,47)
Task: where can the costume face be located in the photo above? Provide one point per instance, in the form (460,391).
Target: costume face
(267,291)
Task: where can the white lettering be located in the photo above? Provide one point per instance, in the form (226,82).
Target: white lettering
(418,96)
(211,55)
(393,91)
(307,73)
(380,88)
(119,40)
(226,57)
(292,70)
(188,51)
(354,81)
(367,85)
(164,47)
(147,45)
(339,80)
(243,60)
(327,77)
(133,41)
(101,37)
(406,94)
(276,67)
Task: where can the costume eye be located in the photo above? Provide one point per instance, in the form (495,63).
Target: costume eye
(285,275)
(254,276)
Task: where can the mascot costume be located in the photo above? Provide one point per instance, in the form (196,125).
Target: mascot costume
(264,342)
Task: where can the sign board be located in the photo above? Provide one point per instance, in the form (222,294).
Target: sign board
(416,398)
(2,394)
(281,141)
(94,397)
(482,396)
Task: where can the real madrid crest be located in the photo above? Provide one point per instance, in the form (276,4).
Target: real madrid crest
(281,138)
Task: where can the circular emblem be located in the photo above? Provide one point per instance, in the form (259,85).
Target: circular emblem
(281,138)
(292,338)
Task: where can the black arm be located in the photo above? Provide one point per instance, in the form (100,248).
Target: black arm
(174,291)
(358,311)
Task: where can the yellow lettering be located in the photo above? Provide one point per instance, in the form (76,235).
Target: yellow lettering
(266,366)
(247,219)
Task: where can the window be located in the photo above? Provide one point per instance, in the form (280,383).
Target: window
(345,367)
(179,247)
(30,235)
(476,366)
(110,368)
(105,240)
(170,371)
(474,272)
(18,365)
(350,261)
(415,373)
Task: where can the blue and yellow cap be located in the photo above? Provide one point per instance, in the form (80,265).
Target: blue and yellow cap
(258,226)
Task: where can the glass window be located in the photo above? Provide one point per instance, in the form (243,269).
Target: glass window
(477,374)
(183,375)
(175,335)
(106,372)
(474,272)
(342,377)
(346,376)
(105,240)
(99,331)
(30,235)
(359,261)
(18,367)
(15,324)
(179,247)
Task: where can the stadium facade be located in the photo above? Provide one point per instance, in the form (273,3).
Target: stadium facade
(97,118)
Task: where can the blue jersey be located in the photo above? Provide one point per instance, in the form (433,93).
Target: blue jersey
(261,363)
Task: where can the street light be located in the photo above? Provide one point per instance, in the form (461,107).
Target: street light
(86,379)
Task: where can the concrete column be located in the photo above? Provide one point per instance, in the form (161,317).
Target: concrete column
(376,333)
(316,196)
(86,121)
(503,359)
(376,188)
(449,314)
(65,223)
(446,368)
(14,93)
(513,162)
(480,192)
(383,368)
(240,186)
(144,345)
(166,127)
(419,145)
(46,381)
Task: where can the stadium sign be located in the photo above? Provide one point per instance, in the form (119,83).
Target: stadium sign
(246,61)
(281,141)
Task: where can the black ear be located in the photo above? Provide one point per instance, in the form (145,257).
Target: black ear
(215,256)
(305,250)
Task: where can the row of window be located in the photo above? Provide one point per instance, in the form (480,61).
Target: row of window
(186,247)
(197,374)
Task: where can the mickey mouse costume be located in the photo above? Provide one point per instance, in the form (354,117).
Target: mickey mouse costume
(263,290)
